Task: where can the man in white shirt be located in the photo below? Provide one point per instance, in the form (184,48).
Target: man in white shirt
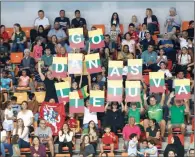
(42,20)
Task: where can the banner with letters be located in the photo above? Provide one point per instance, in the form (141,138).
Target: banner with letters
(132,91)
(115,70)
(59,67)
(182,89)
(157,82)
(62,91)
(134,69)
(76,38)
(76,104)
(115,90)
(75,63)
(96,39)
(96,101)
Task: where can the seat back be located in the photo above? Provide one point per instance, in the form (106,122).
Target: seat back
(16,57)
(121,28)
(185,25)
(181,137)
(27,31)
(40,96)
(9,31)
(109,154)
(124,154)
(100,26)
(21,97)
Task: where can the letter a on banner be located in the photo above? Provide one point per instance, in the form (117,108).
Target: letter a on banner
(76,38)
(182,89)
(115,70)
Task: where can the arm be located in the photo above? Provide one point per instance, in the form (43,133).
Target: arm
(89,81)
(192,84)
(123,107)
(106,107)
(81,78)
(162,99)
(186,103)
(147,134)
(24,133)
(40,73)
(24,39)
(169,100)
(145,102)
(126,108)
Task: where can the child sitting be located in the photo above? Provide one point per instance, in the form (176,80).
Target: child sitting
(143,148)
(24,81)
(38,49)
(47,58)
(10,67)
(16,108)
(114,33)
(15,146)
(132,149)
(108,139)
(161,57)
(152,151)
(72,123)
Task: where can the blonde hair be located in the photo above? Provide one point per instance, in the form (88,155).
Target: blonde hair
(133,17)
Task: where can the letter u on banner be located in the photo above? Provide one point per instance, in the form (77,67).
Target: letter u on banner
(182,89)
(75,63)
(115,70)
(157,82)
(132,91)
(76,38)
(134,69)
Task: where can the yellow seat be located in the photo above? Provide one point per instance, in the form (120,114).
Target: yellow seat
(100,27)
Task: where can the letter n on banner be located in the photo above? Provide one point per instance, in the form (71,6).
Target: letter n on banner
(76,104)
(75,63)
(76,38)
(134,69)
(59,67)
(115,70)
(93,63)
(96,39)
(157,82)
(63,90)
(132,91)
(182,89)
(115,90)
(96,101)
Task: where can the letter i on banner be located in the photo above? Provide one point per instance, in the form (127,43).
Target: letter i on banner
(96,39)
(93,63)
(115,70)
(132,91)
(157,82)
(63,90)
(76,38)
(115,90)
(76,104)
(59,67)
(96,101)
(182,89)
(134,69)
(75,63)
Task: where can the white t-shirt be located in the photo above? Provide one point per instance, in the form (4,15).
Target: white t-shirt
(130,43)
(183,42)
(3,134)
(25,116)
(132,150)
(88,116)
(10,114)
(185,59)
(166,72)
(44,22)
(164,59)
(153,149)
(67,136)
(22,134)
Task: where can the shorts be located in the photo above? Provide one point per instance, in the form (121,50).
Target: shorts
(7,127)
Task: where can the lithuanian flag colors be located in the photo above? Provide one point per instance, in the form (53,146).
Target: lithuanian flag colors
(134,69)
(76,38)
(96,101)
(115,90)
(115,70)
(157,82)
(63,90)
(132,91)
(96,39)
(59,67)
(93,63)
(83,92)
(75,63)
(76,104)
(182,89)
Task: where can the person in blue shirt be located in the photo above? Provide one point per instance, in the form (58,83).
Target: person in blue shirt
(5,81)
(149,59)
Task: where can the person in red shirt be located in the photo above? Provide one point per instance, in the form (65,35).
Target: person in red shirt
(108,139)
(62,52)
(72,123)
(133,33)
(4,34)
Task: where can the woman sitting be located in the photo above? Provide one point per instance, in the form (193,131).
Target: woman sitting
(125,54)
(87,149)
(130,42)
(37,149)
(24,81)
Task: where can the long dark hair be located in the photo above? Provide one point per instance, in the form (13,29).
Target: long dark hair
(94,128)
(68,129)
(83,143)
(18,25)
(17,127)
(34,138)
(117,19)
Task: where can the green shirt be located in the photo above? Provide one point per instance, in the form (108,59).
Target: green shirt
(47,60)
(177,114)
(135,114)
(19,37)
(155,112)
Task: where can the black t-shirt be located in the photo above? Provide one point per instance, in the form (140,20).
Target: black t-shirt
(78,22)
(190,32)
(52,48)
(145,43)
(50,90)
(152,133)
(64,22)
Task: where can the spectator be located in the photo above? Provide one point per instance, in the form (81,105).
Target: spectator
(41,33)
(65,138)
(45,135)
(15,107)
(33,105)
(3,144)
(59,33)
(115,20)
(132,146)
(15,145)
(173,21)
(125,54)
(143,32)
(143,148)
(38,49)
(190,30)
(52,45)
(63,20)
(108,139)
(153,132)
(37,149)
(62,52)
(78,21)
(149,59)
(4,47)
(134,20)
(25,114)
(86,148)
(172,153)
(109,44)
(18,38)
(152,151)
(176,145)
(155,111)
(6,82)
(151,21)
(183,39)
(129,129)
(191,152)
(47,58)
(10,67)
(4,34)
(130,42)
(114,33)
(177,112)
(24,81)
(23,133)
(114,113)
(72,123)
(161,57)
(105,57)
(133,32)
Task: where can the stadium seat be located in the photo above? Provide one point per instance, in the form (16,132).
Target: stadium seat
(40,96)
(192,138)
(121,28)
(181,137)
(109,154)
(27,31)
(124,154)
(9,31)
(169,65)
(100,27)
(16,57)
(115,144)
(146,71)
(21,97)
(62,155)
(146,79)
(155,38)
(185,25)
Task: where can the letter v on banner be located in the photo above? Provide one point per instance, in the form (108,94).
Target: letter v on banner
(157,82)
